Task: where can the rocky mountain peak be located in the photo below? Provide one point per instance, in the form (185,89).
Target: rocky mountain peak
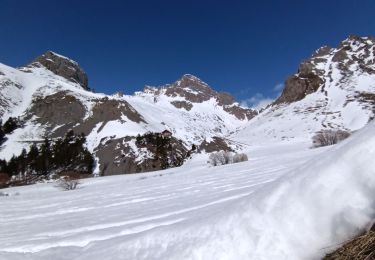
(193,85)
(354,40)
(188,86)
(62,66)
(354,54)
(194,90)
(188,80)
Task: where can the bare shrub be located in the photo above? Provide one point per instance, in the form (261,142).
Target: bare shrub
(220,158)
(4,194)
(225,157)
(240,157)
(216,159)
(67,183)
(228,157)
(329,137)
(212,160)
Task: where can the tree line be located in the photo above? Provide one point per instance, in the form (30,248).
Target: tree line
(63,154)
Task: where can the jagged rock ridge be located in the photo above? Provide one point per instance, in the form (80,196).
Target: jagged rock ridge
(194,90)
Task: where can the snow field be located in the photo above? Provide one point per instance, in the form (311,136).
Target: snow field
(286,202)
(125,210)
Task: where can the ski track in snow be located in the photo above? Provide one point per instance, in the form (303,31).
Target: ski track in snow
(287,202)
(121,206)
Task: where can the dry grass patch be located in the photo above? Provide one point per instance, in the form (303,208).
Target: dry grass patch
(359,248)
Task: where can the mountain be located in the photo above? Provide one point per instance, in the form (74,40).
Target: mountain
(287,202)
(333,89)
(51,96)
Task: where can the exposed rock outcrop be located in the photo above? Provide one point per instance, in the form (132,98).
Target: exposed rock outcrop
(183,104)
(59,109)
(215,145)
(306,81)
(194,90)
(63,67)
(106,110)
(126,155)
(314,72)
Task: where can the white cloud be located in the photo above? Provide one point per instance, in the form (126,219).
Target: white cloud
(257,101)
(279,87)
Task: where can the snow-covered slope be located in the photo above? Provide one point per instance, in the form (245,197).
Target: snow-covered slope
(334,89)
(19,88)
(286,202)
(50,96)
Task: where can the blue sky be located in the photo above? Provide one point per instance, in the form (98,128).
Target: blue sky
(247,48)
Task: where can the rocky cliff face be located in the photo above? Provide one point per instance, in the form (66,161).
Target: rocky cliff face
(353,55)
(62,66)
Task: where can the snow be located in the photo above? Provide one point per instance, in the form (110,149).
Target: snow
(203,121)
(286,202)
(63,57)
(20,139)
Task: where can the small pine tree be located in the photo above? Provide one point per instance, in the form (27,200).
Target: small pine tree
(32,156)
(11,168)
(22,161)
(45,156)
(3,166)
(10,125)
(2,134)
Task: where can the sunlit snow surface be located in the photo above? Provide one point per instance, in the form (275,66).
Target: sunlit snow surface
(286,202)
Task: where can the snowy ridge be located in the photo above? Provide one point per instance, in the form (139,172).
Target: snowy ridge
(203,121)
(347,72)
(63,57)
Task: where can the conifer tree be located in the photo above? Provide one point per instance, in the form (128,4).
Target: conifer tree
(2,134)
(10,125)
(32,157)
(46,156)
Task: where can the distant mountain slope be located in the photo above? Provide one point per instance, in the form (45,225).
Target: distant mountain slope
(50,96)
(334,89)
